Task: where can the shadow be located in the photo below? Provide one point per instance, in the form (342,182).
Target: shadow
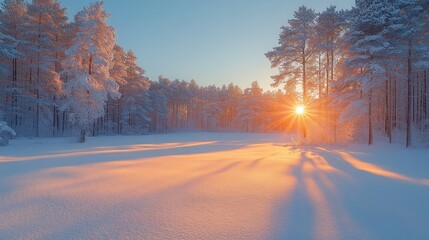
(335,199)
(254,163)
(308,212)
(18,165)
(15,166)
(209,189)
(172,183)
(372,168)
(292,214)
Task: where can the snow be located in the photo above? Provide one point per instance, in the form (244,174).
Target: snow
(211,186)
(5,133)
(5,128)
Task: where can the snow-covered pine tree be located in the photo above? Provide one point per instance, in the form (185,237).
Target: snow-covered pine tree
(328,40)
(46,24)
(178,97)
(8,88)
(211,108)
(118,72)
(13,91)
(329,28)
(296,51)
(88,62)
(194,105)
(250,108)
(135,100)
(370,51)
(410,40)
(8,51)
(234,93)
(159,101)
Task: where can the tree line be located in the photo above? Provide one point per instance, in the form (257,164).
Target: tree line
(361,73)
(61,77)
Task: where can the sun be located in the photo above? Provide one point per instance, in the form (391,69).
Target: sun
(300,110)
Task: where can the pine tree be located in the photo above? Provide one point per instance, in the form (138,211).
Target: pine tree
(135,99)
(296,52)
(47,21)
(370,50)
(159,101)
(329,28)
(118,73)
(211,108)
(251,107)
(409,27)
(13,91)
(193,106)
(88,62)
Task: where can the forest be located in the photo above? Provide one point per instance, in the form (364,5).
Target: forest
(361,74)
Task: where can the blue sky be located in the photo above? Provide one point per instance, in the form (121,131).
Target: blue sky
(211,41)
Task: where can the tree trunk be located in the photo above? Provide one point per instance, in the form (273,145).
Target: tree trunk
(14,95)
(370,137)
(38,79)
(409,98)
(82,137)
(304,80)
(390,110)
(328,63)
(425,101)
(387,110)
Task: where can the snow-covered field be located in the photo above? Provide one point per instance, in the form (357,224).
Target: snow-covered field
(211,186)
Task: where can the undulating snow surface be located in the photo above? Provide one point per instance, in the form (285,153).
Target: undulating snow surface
(211,186)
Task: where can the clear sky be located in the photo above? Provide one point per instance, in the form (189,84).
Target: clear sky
(211,41)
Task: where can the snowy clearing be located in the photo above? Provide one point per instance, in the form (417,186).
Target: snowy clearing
(211,186)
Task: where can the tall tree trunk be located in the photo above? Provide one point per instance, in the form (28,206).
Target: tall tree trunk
(328,63)
(332,66)
(38,77)
(387,109)
(370,136)
(14,92)
(394,104)
(409,97)
(391,96)
(425,101)
(319,77)
(63,122)
(54,117)
(38,100)
(304,77)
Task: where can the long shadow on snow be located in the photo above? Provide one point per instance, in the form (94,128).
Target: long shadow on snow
(344,197)
(14,168)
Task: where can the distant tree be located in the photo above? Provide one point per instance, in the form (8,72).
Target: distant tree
(251,107)
(211,108)
(135,100)
(194,105)
(159,100)
(118,73)
(233,101)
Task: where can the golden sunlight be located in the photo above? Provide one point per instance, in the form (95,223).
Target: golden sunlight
(300,110)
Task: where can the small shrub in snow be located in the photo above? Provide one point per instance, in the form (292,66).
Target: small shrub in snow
(6,133)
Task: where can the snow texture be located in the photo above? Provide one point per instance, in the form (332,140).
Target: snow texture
(211,186)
